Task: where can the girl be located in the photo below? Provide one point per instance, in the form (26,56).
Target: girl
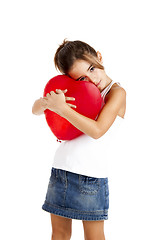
(78,186)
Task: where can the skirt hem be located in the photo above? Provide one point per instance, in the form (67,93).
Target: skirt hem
(75,214)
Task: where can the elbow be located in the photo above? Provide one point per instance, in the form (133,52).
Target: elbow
(97,134)
(33,111)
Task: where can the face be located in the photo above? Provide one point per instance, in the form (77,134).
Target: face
(84,71)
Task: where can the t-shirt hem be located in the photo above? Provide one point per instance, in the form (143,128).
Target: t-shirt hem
(88,174)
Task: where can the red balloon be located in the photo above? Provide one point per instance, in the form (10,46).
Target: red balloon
(87,99)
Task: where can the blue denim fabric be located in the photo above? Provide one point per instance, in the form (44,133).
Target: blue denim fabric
(77,196)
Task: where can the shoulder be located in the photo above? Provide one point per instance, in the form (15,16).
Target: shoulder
(114,101)
(116,93)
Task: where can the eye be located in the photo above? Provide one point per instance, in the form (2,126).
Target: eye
(81,79)
(92,68)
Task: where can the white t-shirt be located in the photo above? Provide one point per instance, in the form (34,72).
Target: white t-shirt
(87,156)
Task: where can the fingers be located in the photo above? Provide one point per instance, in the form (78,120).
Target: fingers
(71,105)
(59,91)
(70,99)
(64,91)
(44,104)
(52,93)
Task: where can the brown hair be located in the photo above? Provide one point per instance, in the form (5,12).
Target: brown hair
(69,51)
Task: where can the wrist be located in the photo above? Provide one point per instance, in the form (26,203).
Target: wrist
(64,110)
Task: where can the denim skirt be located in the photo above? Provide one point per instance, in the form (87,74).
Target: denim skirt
(77,196)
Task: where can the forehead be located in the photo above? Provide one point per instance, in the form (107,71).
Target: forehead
(79,68)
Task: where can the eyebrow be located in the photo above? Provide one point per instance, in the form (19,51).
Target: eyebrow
(87,70)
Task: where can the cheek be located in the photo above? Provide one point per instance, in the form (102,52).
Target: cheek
(97,74)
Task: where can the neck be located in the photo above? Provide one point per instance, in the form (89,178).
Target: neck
(108,80)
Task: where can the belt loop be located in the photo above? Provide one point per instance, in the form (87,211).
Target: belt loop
(66,178)
(56,173)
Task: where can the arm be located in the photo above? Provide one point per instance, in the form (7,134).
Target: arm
(93,128)
(39,106)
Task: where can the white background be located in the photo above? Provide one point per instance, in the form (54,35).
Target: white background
(127,34)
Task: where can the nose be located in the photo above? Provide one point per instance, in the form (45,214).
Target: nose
(89,79)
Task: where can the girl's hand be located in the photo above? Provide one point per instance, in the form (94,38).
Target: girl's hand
(56,101)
